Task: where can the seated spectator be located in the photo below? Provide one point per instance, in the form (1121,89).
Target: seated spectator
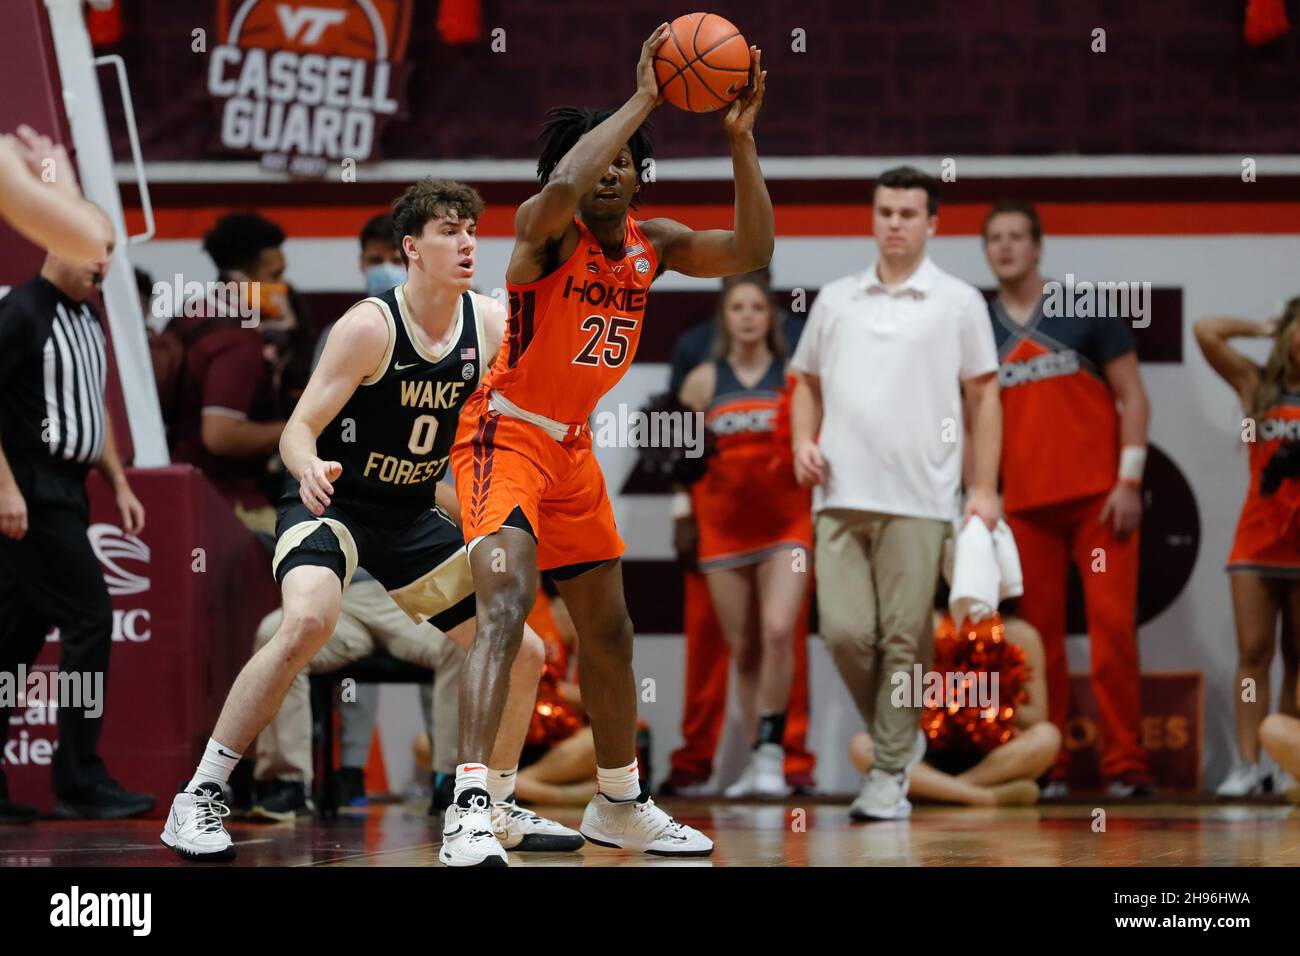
(224,419)
(1005,774)
(1280,736)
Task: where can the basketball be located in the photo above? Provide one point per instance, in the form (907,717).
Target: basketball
(703,62)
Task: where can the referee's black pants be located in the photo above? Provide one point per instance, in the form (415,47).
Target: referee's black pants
(52,578)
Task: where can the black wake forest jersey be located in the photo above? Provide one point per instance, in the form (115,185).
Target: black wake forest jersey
(394,435)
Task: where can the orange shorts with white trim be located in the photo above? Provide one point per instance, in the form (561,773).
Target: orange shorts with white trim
(501,464)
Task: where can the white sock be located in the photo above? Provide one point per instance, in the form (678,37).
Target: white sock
(501,783)
(623,783)
(217,765)
(470,776)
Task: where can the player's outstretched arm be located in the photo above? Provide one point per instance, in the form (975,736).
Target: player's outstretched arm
(51,214)
(748,245)
(546,216)
(353,352)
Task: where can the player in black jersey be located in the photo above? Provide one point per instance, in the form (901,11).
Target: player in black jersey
(367,445)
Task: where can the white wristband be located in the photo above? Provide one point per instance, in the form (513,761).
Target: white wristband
(1132,462)
(681,505)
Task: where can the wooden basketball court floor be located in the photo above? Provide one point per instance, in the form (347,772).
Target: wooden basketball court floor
(799,832)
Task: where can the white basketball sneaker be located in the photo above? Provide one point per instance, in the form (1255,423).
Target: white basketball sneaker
(1245,780)
(467,837)
(194,828)
(520,829)
(883,797)
(640,825)
(764,776)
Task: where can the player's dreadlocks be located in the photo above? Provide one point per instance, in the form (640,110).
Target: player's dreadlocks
(565,125)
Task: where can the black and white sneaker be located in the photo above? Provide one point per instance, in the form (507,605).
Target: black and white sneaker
(520,829)
(640,825)
(467,834)
(283,801)
(194,828)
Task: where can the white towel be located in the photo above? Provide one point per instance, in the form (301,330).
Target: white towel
(975,576)
(983,569)
(1008,557)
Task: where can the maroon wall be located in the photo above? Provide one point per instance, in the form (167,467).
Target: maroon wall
(879,77)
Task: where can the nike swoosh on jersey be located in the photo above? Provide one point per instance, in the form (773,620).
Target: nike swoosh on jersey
(398,367)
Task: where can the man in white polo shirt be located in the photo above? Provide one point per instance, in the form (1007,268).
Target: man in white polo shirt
(877,428)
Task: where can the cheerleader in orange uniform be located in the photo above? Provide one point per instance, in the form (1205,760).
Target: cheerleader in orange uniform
(558,763)
(1264,564)
(755,522)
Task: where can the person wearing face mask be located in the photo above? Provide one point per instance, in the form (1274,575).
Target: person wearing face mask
(225,419)
(381,260)
(54,428)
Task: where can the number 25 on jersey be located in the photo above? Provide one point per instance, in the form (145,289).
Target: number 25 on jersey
(609,343)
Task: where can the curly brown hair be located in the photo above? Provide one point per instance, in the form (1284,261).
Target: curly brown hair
(431,199)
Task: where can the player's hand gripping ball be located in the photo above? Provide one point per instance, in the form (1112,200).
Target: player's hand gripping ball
(703,63)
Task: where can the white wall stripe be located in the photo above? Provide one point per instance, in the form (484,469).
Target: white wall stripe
(774,168)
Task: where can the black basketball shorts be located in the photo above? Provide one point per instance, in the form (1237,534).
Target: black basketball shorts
(418,556)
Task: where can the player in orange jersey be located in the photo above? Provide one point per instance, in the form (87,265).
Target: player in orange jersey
(1264,564)
(532,495)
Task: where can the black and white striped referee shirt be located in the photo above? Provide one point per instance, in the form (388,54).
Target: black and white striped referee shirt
(53,366)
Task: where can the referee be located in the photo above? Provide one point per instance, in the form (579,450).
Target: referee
(54,427)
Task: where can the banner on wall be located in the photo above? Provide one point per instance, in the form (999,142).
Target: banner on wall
(308,85)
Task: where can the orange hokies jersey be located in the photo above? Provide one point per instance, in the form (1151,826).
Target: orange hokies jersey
(573,333)
(1268,531)
(748,503)
(1060,429)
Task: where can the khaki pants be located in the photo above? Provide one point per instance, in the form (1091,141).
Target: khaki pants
(368,620)
(876,578)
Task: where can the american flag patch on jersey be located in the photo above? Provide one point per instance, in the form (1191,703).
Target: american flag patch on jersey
(468,355)
(635,249)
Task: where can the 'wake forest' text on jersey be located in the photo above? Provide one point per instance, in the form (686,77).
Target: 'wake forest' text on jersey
(393,435)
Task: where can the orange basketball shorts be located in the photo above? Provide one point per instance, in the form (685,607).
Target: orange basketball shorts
(502,463)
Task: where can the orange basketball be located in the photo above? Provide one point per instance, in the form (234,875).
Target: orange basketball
(703,62)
